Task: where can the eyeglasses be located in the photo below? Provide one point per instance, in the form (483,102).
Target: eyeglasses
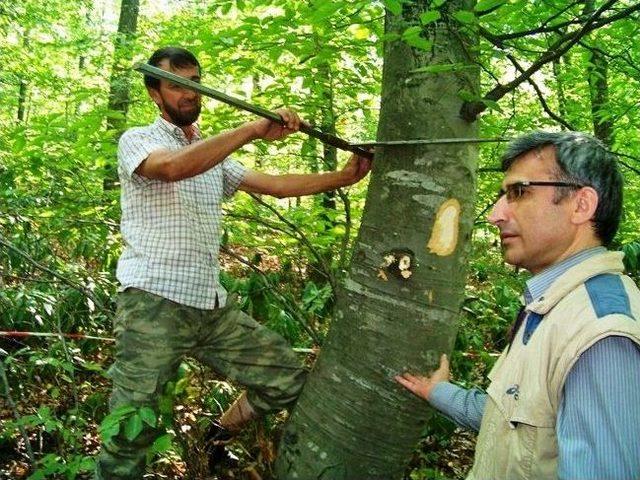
(516,190)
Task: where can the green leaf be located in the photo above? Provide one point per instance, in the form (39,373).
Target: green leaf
(133,427)
(19,144)
(412,36)
(484,5)
(110,426)
(429,16)
(37,475)
(465,16)
(162,444)
(122,411)
(360,32)
(107,432)
(468,96)
(148,416)
(394,6)
(326,9)
(492,104)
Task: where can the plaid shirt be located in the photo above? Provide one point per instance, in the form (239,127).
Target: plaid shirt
(171,230)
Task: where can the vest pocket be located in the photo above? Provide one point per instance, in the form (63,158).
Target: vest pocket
(517,439)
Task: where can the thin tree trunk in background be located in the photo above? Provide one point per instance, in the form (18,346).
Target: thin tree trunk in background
(23,86)
(329,153)
(399,305)
(597,75)
(602,125)
(328,161)
(120,84)
(22,99)
(562,101)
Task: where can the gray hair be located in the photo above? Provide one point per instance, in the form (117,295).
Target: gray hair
(583,159)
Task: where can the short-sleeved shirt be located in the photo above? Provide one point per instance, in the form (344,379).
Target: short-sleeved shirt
(171,230)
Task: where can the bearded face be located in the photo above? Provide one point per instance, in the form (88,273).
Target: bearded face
(184,113)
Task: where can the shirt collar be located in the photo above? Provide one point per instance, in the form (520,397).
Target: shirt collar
(538,284)
(177,131)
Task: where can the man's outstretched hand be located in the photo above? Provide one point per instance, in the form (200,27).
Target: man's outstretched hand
(422,386)
(356,169)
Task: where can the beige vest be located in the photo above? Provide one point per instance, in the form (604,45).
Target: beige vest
(517,438)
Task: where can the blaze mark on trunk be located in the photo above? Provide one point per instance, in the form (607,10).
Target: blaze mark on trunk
(444,236)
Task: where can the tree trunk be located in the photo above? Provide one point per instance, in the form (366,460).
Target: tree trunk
(328,161)
(23,87)
(22,99)
(597,75)
(120,75)
(398,307)
(598,86)
(120,83)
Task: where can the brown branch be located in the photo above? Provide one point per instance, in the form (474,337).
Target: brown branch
(470,110)
(626,61)
(275,228)
(620,154)
(541,29)
(625,164)
(302,237)
(26,279)
(541,98)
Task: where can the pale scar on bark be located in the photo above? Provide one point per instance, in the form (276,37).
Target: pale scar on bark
(397,262)
(444,236)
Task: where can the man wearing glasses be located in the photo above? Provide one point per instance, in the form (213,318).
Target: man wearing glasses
(564,398)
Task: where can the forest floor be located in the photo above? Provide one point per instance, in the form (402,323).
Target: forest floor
(438,456)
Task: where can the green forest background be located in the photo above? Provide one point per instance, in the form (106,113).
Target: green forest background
(67,92)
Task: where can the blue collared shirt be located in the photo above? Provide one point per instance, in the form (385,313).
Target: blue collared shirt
(599,415)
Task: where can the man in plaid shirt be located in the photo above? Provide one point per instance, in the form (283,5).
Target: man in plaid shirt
(171,302)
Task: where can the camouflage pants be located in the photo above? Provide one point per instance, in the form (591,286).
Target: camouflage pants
(153,334)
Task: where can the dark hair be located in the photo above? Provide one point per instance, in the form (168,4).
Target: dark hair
(583,159)
(178,58)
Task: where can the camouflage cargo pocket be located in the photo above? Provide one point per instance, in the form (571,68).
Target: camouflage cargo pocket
(139,383)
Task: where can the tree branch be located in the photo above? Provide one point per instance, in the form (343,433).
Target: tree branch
(541,98)
(301,236)
(276,228)
(470,110)
(541,29)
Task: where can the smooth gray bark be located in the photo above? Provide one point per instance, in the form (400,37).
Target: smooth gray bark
(398,308)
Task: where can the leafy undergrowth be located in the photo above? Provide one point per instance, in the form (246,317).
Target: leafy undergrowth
(61,391)
(64,443)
